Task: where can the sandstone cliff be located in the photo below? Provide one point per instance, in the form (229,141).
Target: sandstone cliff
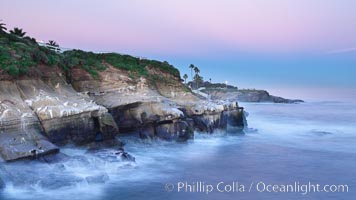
(48,99)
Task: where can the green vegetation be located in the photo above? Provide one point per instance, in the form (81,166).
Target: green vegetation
(19,52)
(125,62)
(198,80)
(89,61)
(191,66)
(52,43)
(2,27)
(18,32)
(185,76)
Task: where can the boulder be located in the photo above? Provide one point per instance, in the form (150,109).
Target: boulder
(124,156)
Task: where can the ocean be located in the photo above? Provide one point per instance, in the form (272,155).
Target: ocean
(288,151)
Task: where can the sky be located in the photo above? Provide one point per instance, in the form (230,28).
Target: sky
(293,48)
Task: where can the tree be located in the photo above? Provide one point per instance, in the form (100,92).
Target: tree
(2,27)
(185,76)
(191,66)
(18,32)
(52,43)
(198,80)
(197,71)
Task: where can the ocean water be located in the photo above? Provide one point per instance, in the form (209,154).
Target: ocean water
(295,146)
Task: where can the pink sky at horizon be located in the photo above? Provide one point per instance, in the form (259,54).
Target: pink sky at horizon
(186,27)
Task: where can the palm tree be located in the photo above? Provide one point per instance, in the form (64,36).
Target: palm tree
(52,43)
(2,27)
(18,32)
(191,66)
(197,71)
(185,76)
(198,79)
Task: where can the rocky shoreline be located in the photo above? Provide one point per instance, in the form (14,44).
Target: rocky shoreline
(51,99)
(251,96)
(41,112)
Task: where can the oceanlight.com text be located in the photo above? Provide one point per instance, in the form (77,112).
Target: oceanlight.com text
(302,188)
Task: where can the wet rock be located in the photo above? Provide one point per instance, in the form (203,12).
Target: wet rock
(235,120)
(174,123)
(147,131)
(107,126)
(178,130)
(153,119)
(112,155)
(208,123)
(211,116)
(101,178)
(124,156)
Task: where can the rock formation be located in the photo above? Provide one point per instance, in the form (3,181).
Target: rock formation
(48,99)
(250,96)
(164,108)
(41,110)
(20,131)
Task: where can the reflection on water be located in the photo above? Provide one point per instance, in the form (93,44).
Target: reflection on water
(284,143)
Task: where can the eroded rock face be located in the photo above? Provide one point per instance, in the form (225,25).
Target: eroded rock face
(134,104)
(164,109)
(66,115)
(43,109)
(20,130)
(208,116)
(178,130)
(44,105)
(153,119)
(171,122)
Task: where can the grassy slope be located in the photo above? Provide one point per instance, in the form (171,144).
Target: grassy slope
(18,54)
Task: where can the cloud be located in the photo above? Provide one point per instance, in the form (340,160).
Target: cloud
(341,51)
